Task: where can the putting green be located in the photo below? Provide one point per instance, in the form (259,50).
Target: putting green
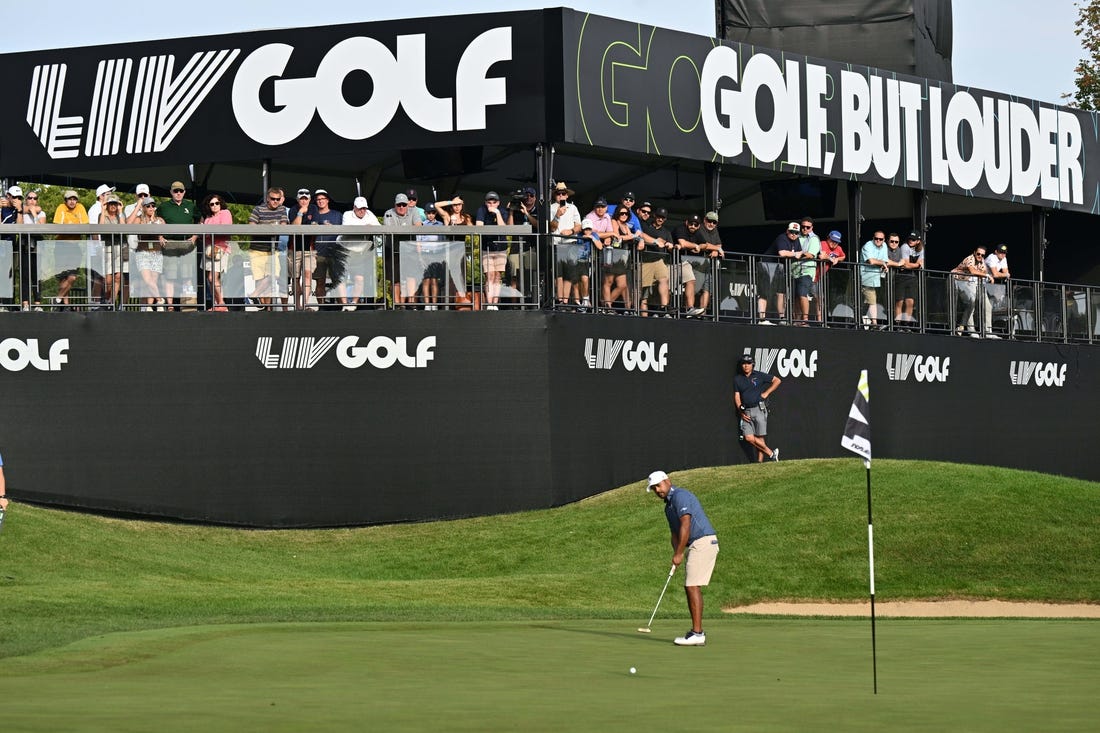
(753,675)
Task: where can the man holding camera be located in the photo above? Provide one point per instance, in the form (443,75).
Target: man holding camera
(523,209)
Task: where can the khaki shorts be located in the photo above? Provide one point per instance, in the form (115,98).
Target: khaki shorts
(702,553)
(494,261)
(264,264)
(299,259)
(652,272)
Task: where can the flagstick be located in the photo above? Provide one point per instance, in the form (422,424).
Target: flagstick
(871,563)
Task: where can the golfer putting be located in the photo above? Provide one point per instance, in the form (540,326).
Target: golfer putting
(693,539)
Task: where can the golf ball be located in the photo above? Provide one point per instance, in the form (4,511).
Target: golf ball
(633,671)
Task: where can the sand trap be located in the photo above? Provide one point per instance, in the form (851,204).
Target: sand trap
(926,609)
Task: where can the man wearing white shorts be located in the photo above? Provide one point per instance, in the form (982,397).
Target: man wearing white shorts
(693,536)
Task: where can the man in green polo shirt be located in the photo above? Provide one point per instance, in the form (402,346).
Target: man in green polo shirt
(179,269)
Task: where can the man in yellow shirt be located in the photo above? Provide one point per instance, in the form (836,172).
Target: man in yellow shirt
(67,258)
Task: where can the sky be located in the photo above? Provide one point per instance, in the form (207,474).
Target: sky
(1021,47)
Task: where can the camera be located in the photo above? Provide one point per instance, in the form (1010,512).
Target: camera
(516,198)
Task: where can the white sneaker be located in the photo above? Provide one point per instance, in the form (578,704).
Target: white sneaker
(691,638)
(765,323)
(695,312)
(490,308)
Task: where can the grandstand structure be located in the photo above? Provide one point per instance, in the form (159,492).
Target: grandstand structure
(389,413)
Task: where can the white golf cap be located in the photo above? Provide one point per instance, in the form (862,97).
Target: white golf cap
(655,478)
(15,191)
(359,203)
(142,188)
(103,188)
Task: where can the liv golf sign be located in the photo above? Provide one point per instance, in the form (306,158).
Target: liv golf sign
(328,90)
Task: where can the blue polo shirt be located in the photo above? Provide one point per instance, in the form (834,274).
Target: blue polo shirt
(679,502)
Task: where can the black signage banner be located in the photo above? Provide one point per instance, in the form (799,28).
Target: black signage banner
(306,92)
(670,93)
(329,419)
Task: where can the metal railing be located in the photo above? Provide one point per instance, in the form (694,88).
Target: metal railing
(149,267)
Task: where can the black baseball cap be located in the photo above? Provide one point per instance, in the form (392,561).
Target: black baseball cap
(914,235)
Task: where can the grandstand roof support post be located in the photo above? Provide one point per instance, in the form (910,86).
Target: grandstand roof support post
(1039,240)
(544,162)
(712,185)
(266,176)
(855,212)
(920,214)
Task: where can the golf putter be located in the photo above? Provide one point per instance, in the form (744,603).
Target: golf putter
(645,629)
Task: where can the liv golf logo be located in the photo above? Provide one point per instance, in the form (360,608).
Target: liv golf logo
(145,103)
(1039,373)
(17,354)
(642,356)
(917,367)
(786,362)
(381,352)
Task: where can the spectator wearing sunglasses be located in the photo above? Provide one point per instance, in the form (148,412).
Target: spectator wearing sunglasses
(68,257)
(403,214)
(178,268)
(28,283)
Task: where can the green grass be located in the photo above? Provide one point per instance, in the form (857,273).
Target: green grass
(793,530)
(526,621)
(567,675)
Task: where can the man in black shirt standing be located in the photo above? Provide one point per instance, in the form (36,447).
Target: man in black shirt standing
(656,248)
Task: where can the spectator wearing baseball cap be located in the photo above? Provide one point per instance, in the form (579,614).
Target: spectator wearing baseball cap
(657,247)
(771,276)
(414,207)
(494,251)
(831,253)
(360,273)
(906,282)
(691,259)
(178,274)
(68,258)
(626,201)
(401,215)
(997,266)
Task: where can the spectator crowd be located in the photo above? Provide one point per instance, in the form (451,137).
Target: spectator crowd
(622,255)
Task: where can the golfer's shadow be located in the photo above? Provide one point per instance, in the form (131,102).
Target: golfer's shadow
(610,634)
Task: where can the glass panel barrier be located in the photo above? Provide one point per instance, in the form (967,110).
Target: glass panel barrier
(572,271)
(1052,319)
(652,271)
(840,304)
(614,264)
(7,270)
(771,290)
(698,278)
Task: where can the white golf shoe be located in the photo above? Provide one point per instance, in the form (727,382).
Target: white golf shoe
(691,638)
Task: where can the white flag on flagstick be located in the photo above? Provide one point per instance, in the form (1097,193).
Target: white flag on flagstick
(857,431)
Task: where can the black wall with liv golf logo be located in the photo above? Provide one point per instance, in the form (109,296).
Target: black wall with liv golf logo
(308,420)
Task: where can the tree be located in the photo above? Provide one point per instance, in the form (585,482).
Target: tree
(1087,28)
